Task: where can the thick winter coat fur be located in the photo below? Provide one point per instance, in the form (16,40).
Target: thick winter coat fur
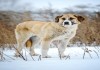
(30,33)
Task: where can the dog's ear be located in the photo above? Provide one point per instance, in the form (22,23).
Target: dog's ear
(57,18)
(80,18)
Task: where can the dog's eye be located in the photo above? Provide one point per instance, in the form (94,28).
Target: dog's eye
(71,18)
(63,18)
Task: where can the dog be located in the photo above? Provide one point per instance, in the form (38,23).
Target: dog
(32,32)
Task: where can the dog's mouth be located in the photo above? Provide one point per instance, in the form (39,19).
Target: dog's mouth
(73,23)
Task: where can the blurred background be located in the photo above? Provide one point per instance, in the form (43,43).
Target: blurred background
(13,12)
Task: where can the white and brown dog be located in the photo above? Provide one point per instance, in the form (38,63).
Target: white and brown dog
(31,32)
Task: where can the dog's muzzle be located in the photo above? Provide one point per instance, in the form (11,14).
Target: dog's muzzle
(67,22)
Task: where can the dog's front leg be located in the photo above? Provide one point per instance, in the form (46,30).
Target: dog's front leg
(45,48)
(61,48)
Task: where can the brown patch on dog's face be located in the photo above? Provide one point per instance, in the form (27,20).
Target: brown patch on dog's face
(57,18)
(69,19)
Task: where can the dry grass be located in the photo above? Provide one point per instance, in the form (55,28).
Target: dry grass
(8,22)
(88,32)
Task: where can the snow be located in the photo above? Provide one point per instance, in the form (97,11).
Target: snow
(76,61)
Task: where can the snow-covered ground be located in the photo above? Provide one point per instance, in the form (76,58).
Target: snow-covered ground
(74,61)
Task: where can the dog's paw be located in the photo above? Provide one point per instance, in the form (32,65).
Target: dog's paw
(17,55)
(63,56)
(34,54)
(47,56)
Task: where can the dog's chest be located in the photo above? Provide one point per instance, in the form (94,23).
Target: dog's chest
(64,35)
(68,33)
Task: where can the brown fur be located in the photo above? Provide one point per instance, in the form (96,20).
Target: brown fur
(28,43)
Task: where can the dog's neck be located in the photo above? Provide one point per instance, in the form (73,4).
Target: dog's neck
(58,26)
(64,30)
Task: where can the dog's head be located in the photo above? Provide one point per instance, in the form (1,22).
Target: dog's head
(69,19)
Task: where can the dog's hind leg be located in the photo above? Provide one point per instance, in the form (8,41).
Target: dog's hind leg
(18,48)
(21,38)
(35,40)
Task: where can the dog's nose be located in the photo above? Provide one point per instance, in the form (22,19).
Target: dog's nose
(66,23)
